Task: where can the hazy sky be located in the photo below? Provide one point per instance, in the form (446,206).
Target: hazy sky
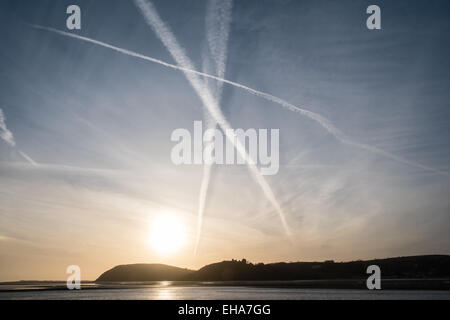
(98,125)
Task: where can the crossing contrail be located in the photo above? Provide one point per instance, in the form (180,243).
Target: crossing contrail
(321,120)
(168,39)
(324,122)
(217,24)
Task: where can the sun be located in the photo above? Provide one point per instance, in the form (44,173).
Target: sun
(167,234)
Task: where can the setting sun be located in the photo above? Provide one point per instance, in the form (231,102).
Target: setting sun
(167,234)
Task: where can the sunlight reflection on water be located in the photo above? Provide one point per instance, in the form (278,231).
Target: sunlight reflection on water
(164,294)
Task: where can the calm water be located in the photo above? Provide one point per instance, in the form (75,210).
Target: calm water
(222,293)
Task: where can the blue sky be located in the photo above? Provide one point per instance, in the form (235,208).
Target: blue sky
(98,124)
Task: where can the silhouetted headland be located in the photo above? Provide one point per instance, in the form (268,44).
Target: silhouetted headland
(424,272)
(144,272)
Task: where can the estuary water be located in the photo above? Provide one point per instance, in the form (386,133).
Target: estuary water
(211,292)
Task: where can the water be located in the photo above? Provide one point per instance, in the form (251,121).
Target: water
(162,292)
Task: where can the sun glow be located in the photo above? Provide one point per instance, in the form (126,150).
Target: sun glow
(167,234)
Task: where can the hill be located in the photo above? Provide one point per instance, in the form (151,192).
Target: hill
(414,267)
(144,272)
(401,267)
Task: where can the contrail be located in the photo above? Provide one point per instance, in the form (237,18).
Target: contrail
(5,134)
(177,52)
(28,158)
(325,123)
(8,137)
(314,116)
(217,23)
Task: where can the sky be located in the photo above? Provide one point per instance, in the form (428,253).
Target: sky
(85,165)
